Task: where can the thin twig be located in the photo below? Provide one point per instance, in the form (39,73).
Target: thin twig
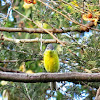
(27,91)
(68,17)
(41,27)
(14,61)
(9,70)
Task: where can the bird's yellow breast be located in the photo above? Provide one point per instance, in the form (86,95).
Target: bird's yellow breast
(51,61)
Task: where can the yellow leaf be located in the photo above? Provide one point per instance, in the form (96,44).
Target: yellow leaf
(27,6)
(88,71)
(29,71)
(74,3)
(95,21)
(97,13)
(22,67)
(44,25)
(4,82)
(85,17)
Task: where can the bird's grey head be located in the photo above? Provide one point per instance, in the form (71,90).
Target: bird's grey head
(49,47)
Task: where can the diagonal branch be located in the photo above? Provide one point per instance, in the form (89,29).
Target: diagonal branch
(41,28)
(49,77)
(74,21)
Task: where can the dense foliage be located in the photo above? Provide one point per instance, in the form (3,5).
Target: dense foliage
(81,53)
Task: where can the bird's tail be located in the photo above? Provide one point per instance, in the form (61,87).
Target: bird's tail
(53,85)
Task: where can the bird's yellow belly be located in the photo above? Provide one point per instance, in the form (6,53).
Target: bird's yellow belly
(51,63)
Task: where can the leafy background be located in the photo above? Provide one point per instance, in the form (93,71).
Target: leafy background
(85,47)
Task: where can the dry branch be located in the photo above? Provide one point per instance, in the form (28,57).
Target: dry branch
(9,70)
(38,30)
(14,61)
(58,31)
(9,61)
(32,40)
(49,77)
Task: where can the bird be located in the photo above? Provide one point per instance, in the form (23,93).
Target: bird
(51,62)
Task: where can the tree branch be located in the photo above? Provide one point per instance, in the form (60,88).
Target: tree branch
(76,28)
(38,30)
(14,61)
(32,40)
(9,70)
(50,33)
(49,77)
(8,61)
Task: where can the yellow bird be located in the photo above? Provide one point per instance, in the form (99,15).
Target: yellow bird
(51,62)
